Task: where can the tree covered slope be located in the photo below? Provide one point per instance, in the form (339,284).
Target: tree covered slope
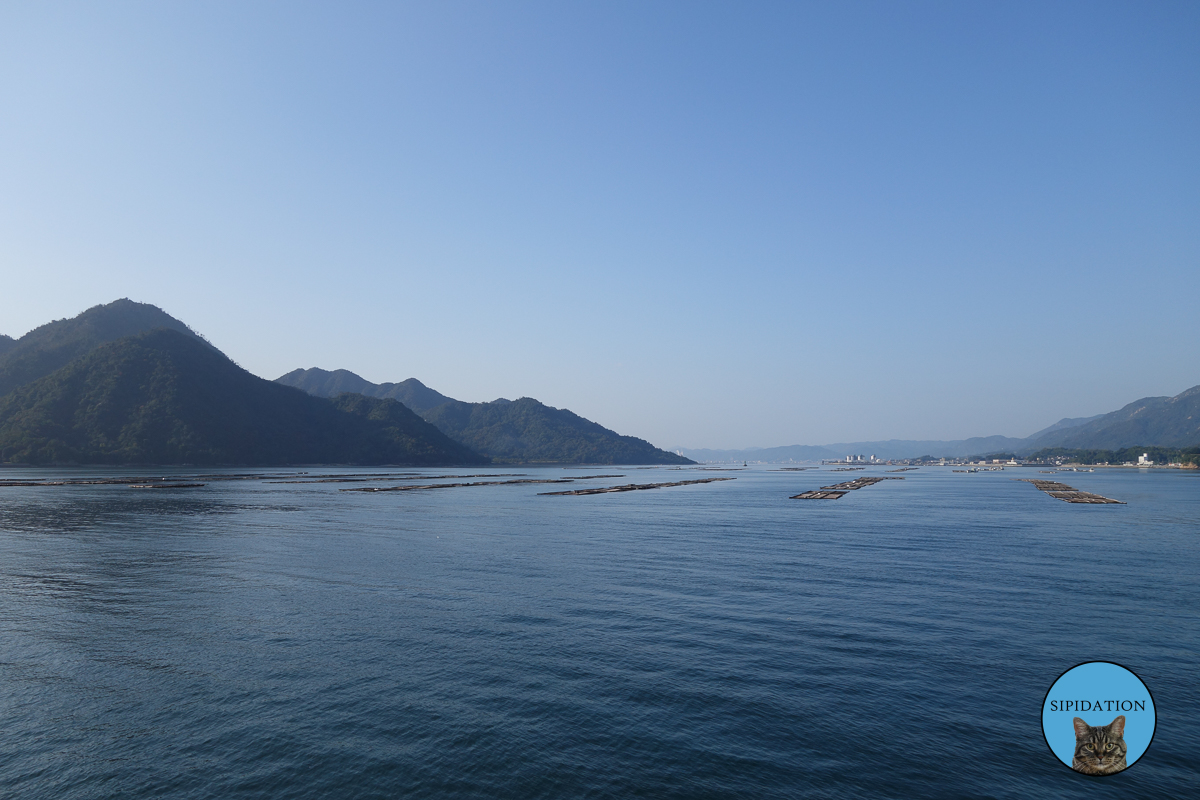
(521,431)
(55,344)
(167,397)
(327,383)
(1162,421)
(525,430)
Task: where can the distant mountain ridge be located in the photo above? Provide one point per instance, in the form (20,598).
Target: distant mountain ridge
(514,431)
(1149,422)
(1161,421)
(119,384)
(889,449)
(325,383)
(1063,424)
(798,453)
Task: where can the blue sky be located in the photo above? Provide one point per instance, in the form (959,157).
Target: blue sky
(709,225)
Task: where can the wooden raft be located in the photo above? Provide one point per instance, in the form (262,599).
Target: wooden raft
(415,487)
(1069,494)
(838,489)
(633,487)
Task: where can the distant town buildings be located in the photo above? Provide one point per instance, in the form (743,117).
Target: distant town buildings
(1144,460)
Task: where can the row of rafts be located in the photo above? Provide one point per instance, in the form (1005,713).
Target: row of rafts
(1059,491)
(193,482)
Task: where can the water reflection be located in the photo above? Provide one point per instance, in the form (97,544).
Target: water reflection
(62,510)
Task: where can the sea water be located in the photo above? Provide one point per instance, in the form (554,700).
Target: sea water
(258,639)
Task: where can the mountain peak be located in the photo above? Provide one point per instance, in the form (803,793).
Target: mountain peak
(53,345)
(326,383)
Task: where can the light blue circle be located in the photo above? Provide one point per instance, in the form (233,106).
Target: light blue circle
(1116,690)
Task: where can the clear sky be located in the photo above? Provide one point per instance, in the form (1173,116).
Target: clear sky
(706,224)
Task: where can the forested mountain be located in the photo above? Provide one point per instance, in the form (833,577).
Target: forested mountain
(323,383)
(55,344)
(523,430)
(167,397)
(1163,421)
(126,382)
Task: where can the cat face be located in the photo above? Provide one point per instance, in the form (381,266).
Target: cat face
(1099,750)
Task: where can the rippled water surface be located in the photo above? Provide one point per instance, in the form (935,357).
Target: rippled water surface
(255,639)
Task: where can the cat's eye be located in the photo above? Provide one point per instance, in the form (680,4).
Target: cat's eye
(1087,748)
(1108,747)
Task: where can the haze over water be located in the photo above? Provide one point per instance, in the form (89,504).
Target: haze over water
(252,640)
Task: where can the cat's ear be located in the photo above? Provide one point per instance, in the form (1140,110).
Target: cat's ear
(1117,726)
(1082,729)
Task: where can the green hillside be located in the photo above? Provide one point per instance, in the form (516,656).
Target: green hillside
(167,397)
(527,431)
(326,383)
(1151,421)
(521,431)
(55,344)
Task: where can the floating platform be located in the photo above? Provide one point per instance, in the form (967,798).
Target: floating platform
(818,494)
(412,487)
(399,477)
(634,487)
(165,485)
(1069,494)
(838,489)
